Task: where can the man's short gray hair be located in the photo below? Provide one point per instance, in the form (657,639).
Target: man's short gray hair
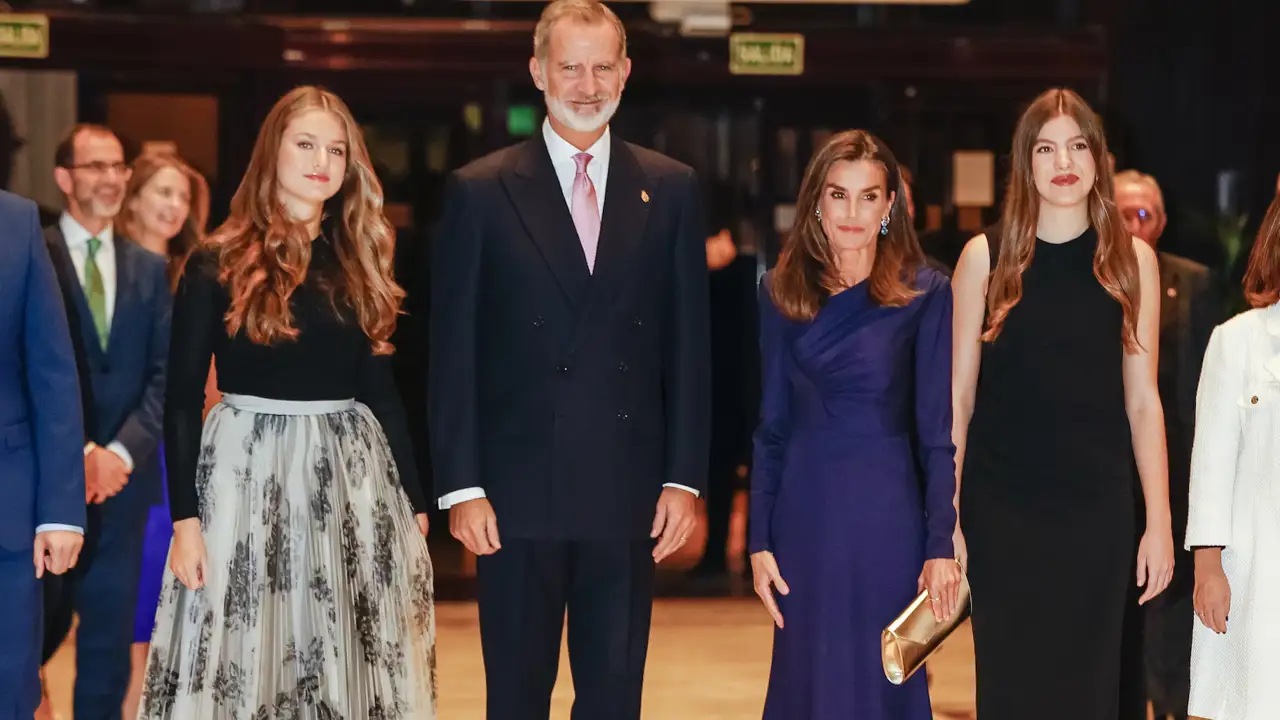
(1139,178)
(584,11)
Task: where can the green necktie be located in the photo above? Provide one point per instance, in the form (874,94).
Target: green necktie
(95,293)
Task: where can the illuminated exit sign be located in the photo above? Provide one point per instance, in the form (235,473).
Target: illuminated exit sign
(24,36)
(766,54)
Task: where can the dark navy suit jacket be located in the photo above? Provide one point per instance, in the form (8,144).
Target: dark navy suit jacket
(126,398)
(41,426)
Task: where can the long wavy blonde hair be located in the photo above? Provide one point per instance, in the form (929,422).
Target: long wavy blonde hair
(263,255)
(1115,264)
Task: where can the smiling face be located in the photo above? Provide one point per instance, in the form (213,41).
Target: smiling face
(94,184)
(582,75)
(162,205)
(854,203)
(1062,163)
(312,162)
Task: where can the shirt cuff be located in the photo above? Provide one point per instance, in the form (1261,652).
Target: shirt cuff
(119,449)
(54,527)
(89,447)
(686,488)
(460,496)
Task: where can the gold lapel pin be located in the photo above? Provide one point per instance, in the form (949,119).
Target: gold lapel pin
(644,195)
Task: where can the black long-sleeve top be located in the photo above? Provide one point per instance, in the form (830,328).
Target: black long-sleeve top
(331,359)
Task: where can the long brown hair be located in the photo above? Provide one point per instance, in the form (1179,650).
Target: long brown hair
(263,255)
(805,273)
(193,229)
(1114,262)
(1262,278)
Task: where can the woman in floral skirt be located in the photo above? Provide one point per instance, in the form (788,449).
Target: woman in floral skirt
(299,582)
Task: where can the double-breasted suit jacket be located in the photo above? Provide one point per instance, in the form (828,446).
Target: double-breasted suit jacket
(569,395)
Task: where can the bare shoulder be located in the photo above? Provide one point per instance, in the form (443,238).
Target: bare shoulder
(1147,262)
(975,262)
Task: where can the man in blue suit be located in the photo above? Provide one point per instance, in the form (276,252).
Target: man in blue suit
(119,307)
(42,512)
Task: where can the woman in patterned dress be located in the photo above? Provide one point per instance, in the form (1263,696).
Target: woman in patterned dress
(299,584)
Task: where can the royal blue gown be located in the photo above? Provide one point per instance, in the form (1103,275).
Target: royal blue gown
(852,489)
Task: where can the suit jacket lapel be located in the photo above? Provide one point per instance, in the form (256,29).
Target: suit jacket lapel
(628,195)
(535,191)
(124,286)
(73,291)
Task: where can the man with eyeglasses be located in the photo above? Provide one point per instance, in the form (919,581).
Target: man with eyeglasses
(1158,637)
(119,305)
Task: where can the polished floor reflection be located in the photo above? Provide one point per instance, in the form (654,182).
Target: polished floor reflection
(708,652)
(708,660)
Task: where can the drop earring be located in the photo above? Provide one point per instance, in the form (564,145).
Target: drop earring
(818,212)
(884,225)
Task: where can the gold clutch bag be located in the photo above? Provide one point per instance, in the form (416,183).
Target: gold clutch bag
(914,635)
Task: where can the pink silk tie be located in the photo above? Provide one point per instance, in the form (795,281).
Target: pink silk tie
(585,211)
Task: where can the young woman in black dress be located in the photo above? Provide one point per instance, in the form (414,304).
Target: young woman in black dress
(1056,338)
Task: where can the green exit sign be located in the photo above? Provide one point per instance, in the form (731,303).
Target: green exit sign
(766,54)
(24,36)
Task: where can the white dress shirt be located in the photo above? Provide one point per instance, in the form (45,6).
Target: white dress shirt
(566,168)
(77,241)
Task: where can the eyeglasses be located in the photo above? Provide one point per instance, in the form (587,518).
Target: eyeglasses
(1141,215)
(99,167)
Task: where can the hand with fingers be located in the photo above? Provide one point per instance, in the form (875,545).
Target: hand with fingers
(1155,562)
(424,523)
(1212,596)
(105,475)
(674,520)
(941,577)
(187,556)
(475,525)
(56,551)
(764,570)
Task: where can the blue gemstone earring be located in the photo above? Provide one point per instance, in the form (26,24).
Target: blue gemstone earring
(884,225)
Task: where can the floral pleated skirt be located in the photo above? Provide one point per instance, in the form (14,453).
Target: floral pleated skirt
(318,602)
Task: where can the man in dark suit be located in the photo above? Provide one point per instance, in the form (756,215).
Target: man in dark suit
(1158,637)
(42,515)
(120,309)
(568,390)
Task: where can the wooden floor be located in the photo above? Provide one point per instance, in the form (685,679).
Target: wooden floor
(708,660)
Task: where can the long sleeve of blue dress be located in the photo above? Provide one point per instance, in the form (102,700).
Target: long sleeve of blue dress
(934,446)
(774,428)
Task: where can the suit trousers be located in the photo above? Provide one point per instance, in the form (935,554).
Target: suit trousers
(524,590)
(20,625)
(103,591)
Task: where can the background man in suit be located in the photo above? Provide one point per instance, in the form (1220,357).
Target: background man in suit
(735,380)
(41,467)
(568,395)
(1158,638)
(120,306)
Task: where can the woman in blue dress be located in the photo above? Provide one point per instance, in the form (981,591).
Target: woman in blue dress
(852,497)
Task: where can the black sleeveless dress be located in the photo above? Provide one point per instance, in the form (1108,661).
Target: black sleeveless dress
(1047,501)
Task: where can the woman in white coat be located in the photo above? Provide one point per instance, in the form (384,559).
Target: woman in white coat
(1234,521)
